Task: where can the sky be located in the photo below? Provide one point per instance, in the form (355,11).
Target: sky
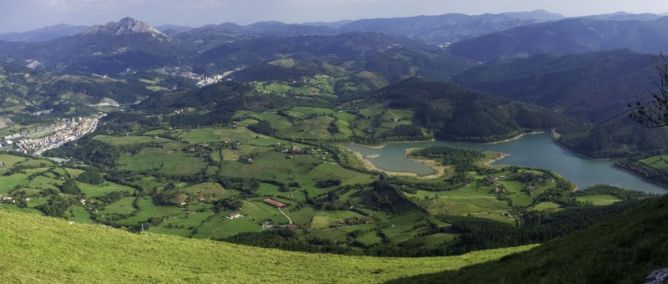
(22,15)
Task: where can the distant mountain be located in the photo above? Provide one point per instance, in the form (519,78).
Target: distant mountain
(210,36)
(567,37)
(592,87)
(624,16)
(449,28)
(172,30)
(539,15)
(336,24)
(433,29)
(44,34)
(104,49)
(396,58)
(126,26)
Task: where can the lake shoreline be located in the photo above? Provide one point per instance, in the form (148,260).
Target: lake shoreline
(533,152)
(438,169)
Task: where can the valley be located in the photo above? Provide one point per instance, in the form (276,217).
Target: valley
(392,149)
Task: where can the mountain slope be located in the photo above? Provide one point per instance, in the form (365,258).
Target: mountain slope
(624,250)
(103,49)
(619,136)
(457,113)
(395,57)
(38,249)
(592,87)
(44,34)
(444,29)
(567,37)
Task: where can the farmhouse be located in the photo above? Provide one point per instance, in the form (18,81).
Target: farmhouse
(234,216)
(274,203)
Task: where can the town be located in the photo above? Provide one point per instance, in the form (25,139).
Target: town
(49,137)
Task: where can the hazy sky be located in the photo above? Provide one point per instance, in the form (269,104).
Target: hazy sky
(20,15)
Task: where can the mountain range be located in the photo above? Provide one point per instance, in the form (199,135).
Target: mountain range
(568,36)
(566,66)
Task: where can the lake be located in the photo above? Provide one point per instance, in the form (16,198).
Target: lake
(534,150)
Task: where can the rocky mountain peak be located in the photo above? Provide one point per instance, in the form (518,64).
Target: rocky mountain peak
(126,26)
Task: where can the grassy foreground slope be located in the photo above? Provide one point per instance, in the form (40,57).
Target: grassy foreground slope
(624,250)
(39,249)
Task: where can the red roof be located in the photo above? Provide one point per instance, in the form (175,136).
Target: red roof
(274,203)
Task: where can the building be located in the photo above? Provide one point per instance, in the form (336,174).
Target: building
(234,216)
(274,203)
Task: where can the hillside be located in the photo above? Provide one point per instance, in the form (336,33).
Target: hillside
(456,113)
(567,37)
(617,137)
(395,57)
(38,249)
(445,29)
(624,250)
(592,87)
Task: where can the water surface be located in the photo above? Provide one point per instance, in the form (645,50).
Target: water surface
(535,151)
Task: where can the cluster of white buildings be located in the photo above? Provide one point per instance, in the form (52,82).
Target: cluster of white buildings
(52,136)
(203,81)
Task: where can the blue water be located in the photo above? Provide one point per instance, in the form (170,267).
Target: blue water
(535,151)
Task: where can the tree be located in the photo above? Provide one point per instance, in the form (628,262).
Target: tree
(70,187)
(654,113)
(91,176)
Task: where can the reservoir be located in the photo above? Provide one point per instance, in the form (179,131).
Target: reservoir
(534,151)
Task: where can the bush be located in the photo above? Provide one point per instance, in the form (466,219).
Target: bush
(328,183)
(91,176)
(70,187)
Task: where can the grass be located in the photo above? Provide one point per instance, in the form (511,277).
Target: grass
(598,199)
(218,226)
(128,140)
(181,225)
(148,209)
(9,161)
(218,134)
(271,165)
(545,206)
(622,250)
(302,112)
(122,207)
(210,190)
(657,162)
(38,249)
(472,200)
(103,189)
(170,160)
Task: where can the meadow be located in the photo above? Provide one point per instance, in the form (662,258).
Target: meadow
(38,249)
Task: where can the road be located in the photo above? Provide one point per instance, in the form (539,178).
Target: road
(286,215)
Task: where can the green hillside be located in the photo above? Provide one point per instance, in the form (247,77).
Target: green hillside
(624,250)
(39,249)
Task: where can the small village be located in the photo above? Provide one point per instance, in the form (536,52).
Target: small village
(39,140)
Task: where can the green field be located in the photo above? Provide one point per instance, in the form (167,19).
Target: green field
(103,189)
(129,140)
(656,162)
(38,249)
(598,199)
(170,160)
(472,200)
